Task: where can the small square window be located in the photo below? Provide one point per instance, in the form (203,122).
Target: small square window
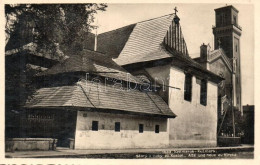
(157,128)
(117,126)
(141,128)
(94,125)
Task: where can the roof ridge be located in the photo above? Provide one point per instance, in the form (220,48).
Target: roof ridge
(118,28)
(154,18)
(137,23)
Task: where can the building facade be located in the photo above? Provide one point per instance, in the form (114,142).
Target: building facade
(155,51)
(120,131)
(227,34)
(101,114)
(225,61)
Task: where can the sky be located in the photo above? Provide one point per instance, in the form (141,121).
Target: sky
(196,21)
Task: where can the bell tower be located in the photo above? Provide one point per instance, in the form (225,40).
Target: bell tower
(227,34)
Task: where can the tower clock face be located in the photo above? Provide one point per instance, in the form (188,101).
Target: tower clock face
(222,83)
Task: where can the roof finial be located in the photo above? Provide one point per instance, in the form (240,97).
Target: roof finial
(175,9)
(176,18)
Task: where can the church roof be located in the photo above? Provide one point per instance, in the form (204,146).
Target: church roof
(148,41)
(129,44)
(113,42)
(91,62)
(85,94)
(145,41)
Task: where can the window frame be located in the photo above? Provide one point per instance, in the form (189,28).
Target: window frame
(203,92)
(188,87)
(117,127)
(94,125)
(157,128)
(141,126)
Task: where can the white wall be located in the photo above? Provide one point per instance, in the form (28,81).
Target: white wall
(128,137)
(195,124)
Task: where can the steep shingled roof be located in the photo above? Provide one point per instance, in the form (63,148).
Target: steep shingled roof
(113,42)
(85,94)
(91,62)
(146,38)
(146,44)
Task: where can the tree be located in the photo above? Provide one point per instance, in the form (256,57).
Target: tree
(52,27)
(55,30)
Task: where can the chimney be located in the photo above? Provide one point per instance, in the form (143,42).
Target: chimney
(204,55)
(204,52)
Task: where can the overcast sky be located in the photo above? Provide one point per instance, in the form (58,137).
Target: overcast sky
(196,22)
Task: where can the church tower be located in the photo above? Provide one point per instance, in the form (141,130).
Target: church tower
(227,34)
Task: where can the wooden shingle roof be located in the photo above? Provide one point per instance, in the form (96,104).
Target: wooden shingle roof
(145,41)
(113,42)
(91,62)
(85,94)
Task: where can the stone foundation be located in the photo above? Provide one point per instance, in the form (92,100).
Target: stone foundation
(23,144)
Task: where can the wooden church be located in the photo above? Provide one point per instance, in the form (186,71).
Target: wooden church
(155,51)
(179,105)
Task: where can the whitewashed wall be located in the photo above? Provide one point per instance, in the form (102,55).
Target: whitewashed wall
(128,137)
(195,124)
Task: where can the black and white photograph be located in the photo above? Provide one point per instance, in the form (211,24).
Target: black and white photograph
(129,81)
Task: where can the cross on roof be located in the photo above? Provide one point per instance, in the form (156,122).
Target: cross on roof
(175,9)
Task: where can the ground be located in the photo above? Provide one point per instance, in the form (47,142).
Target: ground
(240,152)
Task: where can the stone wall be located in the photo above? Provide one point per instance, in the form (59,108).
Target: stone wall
(129,137)
(29,144)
